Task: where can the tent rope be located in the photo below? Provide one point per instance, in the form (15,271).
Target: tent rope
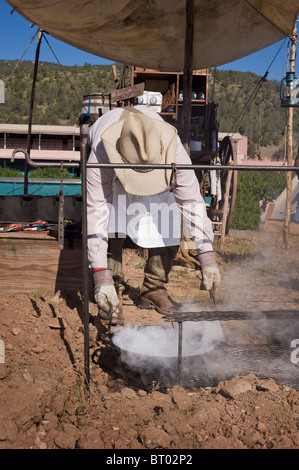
(263,80)
(64,72)
(19,61)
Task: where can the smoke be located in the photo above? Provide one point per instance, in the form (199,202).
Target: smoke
(150,346)
(259,275)
(218,350)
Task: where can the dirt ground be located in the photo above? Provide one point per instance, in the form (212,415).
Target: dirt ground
(43,403)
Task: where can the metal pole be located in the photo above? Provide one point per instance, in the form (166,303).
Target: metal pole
(83,149)
(188,74)
(152,167)
(40,35)
(180,350)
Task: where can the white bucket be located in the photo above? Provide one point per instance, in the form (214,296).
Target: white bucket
(142,99)
(151,99)
(195,145)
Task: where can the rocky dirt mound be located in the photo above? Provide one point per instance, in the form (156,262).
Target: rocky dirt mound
(43,402)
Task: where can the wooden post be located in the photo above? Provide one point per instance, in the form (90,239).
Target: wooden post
(115,77)
(123,76)
(289,148)
(188,74)
(225,210)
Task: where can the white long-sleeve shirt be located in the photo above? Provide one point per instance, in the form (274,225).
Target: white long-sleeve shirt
(102,181)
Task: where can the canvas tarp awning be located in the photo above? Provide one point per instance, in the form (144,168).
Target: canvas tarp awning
(152,34)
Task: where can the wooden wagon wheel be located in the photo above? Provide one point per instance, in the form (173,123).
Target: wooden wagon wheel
(229,180)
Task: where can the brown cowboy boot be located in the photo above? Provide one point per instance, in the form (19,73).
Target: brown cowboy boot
(159,300)
(153,292)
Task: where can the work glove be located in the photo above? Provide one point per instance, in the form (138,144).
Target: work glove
(211,277)
(105,294)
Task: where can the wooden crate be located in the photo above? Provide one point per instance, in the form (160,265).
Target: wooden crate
(32,263)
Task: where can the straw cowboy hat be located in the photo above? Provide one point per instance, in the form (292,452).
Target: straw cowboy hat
(138,139)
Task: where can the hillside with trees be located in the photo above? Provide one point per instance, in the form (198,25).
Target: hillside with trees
(59,93)
(263,119)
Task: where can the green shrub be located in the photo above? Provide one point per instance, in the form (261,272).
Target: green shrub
(49,173)
(252,188)
(10,173)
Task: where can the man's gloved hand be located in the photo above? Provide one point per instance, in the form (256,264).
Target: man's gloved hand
(210,272)
(105,294)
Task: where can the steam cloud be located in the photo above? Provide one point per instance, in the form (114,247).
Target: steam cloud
(255,285)
(162,341)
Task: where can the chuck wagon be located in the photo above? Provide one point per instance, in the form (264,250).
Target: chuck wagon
(163,91)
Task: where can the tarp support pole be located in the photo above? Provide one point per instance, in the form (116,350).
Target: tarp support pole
(289,148)
(188,74)
(39,39)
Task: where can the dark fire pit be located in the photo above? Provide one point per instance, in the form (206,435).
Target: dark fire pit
(198,354)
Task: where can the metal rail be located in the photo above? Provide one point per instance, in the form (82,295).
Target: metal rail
(83,164)
(152,167)
(85,267)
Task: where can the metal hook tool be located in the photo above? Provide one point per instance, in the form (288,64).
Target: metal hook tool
(212,295)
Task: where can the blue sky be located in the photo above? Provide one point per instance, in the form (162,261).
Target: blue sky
(15,35)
